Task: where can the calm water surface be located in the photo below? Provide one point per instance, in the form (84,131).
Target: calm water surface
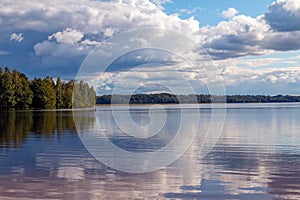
(257,156)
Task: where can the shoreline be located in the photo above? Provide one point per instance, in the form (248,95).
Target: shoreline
(51,110)
(146,105)
(149,104)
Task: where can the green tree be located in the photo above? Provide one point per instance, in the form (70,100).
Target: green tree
(23,92)
(84,95)
(92,96)
(8,99)
(37,87)
(68,92)
(44,93)
(50,95)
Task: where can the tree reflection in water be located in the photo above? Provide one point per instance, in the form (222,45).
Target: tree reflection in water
(16,126)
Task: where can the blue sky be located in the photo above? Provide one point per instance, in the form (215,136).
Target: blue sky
(208,12)
(254,45)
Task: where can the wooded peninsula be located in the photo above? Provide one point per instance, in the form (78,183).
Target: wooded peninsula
(18,92)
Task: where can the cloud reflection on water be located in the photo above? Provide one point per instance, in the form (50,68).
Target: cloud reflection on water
(257,157)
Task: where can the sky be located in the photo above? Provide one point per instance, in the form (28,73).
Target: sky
(253,46)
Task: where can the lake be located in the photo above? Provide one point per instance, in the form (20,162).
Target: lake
(253,154)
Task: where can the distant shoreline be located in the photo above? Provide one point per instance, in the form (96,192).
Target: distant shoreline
(166,98)
(131,104)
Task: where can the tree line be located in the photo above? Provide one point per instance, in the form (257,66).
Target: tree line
(165,98)
(17,91)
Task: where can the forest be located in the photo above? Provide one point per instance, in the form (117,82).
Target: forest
(18,92)
(164,98)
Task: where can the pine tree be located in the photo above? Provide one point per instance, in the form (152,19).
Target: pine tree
(27,94)
(23,93)
(8,99)
(37,87)
(50,94)
(68,94)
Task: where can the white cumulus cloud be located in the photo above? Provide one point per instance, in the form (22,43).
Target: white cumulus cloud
(284,15)
(86,22)
(229,13)
(68,36)
(70,21)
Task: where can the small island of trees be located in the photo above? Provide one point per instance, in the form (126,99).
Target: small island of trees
(18,92)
